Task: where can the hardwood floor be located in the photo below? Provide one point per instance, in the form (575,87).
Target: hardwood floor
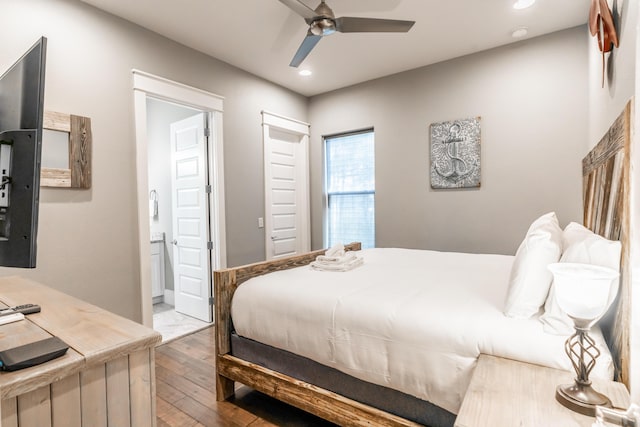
(185,388)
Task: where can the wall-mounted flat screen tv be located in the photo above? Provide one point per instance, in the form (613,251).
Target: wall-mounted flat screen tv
(21,116)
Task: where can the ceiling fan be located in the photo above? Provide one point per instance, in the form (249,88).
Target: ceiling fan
(322,22)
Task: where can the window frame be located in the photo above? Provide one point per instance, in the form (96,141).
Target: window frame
(325,232)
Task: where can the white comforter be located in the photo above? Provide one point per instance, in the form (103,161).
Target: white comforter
(411,320)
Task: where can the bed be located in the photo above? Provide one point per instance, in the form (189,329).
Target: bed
(329,381)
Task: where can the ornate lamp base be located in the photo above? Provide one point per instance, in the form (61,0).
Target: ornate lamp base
(581,398)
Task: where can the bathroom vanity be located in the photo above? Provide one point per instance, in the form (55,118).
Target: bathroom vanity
(157,267)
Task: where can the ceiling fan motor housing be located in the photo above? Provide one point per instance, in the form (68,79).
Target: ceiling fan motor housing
(323,10)
(323,24)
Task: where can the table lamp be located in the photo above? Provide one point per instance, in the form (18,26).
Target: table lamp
(584,292)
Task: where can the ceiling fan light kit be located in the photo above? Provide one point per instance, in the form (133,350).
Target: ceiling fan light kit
(322,27)
(322,22)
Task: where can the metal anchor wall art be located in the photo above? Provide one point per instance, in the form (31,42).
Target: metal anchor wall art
(455,154)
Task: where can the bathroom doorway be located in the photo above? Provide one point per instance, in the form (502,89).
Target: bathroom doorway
(179,139)
(178,215)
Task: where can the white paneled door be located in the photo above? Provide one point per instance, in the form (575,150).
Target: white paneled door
(286,186)
(191,247)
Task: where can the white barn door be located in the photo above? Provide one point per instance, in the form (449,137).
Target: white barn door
(286,168)
(191,248)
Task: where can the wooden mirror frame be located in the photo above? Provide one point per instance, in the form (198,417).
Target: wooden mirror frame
(79,173)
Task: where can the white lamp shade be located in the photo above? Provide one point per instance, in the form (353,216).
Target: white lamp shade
(584,291)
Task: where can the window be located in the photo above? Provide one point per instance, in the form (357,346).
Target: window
(350,186)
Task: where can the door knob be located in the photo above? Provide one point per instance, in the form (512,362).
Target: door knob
(175,242)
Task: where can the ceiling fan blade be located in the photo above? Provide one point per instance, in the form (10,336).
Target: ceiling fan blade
(348,24)
(309,42)
(300,8)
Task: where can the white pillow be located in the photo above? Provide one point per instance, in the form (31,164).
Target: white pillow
(530,278)
(583,246)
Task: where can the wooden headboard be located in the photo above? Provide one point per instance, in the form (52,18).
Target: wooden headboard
(606,189)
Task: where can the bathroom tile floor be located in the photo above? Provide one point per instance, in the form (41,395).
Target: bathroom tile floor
(172,324)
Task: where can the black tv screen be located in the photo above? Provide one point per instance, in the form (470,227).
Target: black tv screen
(21,119)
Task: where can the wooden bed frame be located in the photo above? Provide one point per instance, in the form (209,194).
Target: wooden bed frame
(606,212)
(310,398)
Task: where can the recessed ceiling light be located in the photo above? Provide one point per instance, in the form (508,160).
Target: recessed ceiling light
(519,32)
(305,72)
(523,4)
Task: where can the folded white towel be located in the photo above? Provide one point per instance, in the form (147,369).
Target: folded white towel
(336,250)
(336,259)
(352,263)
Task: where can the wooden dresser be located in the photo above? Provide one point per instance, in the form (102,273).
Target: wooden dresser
(108,373)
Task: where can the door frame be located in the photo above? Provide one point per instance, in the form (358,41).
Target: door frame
(149,85)
(301,129)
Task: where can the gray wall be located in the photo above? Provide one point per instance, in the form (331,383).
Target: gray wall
(532,97)
(87,242)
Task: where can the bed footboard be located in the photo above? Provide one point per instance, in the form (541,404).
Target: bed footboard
(225,284)
(315,400)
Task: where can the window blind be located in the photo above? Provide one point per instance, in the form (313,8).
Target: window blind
(350,174)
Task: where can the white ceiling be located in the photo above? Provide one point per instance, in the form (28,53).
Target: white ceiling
(261,36)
